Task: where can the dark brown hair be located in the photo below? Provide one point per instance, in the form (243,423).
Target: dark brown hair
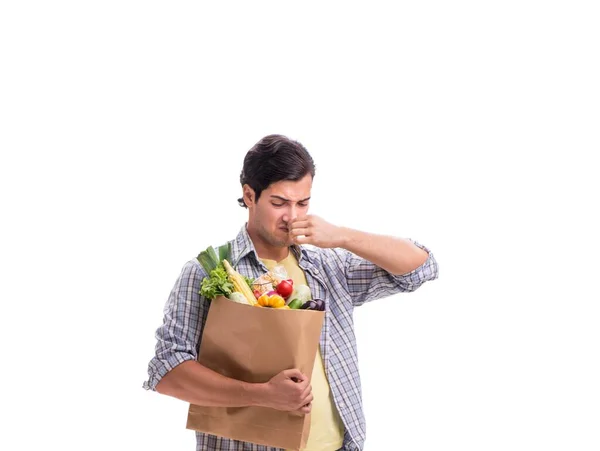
(272,159)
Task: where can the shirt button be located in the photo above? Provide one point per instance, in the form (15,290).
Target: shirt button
(316,271)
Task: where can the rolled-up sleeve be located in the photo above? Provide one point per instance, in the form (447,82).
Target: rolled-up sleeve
(418,276)
(178,337)
(367,281)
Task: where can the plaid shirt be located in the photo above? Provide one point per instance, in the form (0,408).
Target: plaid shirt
(342,279)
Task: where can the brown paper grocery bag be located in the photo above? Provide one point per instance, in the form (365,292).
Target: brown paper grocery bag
(254,344)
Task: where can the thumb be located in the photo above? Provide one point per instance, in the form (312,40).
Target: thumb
(294,374)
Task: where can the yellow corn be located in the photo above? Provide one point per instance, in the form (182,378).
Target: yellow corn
(239,284)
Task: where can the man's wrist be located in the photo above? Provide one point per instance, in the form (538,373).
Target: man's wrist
(345,235)
(257,394)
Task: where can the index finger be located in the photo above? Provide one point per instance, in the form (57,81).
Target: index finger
(298,223)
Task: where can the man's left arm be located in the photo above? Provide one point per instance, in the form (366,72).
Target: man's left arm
(398,256)
(375,265)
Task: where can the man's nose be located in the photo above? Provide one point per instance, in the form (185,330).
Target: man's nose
(290,215)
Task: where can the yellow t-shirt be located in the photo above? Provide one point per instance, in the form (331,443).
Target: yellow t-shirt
(326,427)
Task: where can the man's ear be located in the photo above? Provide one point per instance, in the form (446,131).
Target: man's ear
(249,195)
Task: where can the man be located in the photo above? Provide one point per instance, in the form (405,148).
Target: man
(351,267)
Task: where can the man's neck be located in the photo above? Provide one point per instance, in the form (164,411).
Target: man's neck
(269,252)
(265,251)
(277,255)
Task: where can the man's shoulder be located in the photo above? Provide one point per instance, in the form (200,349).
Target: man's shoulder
(192,263)
(192,267)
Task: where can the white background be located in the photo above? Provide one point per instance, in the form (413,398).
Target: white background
(469,126)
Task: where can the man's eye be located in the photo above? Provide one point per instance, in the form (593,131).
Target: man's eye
(277,205)
(303,205)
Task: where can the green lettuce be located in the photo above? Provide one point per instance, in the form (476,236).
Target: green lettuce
(216,283)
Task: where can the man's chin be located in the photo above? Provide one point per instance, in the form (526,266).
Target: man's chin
(277,241)
(284,243)
(282,238)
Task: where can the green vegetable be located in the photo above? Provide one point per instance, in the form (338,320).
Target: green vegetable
(225,252)
(216,284)
(209,259)
(295,304)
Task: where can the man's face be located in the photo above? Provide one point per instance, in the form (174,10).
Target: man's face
(279,204)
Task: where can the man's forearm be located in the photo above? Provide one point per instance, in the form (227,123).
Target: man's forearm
(197,384)
(396,255)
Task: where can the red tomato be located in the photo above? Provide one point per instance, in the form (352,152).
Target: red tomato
(285,289)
